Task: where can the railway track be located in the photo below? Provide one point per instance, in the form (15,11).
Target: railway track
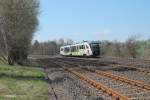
(131,60)
(142,70)
(110,64)
(77,88)
(139,89)
(115,77)
(131,73)
(136,62)
(109,91)
(116,86)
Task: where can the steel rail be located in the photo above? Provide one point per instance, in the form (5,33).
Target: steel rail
(120,65)
(142,70)
(118,78)
(127,66)
(122,79)
(116,95)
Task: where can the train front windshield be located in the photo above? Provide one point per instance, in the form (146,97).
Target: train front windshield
(95,48)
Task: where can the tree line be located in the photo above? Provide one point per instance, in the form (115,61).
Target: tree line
(49,47)
(131,48)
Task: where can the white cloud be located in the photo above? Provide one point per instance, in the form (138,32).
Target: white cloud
(103,33)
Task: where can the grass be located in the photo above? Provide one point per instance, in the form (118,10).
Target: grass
(22,83)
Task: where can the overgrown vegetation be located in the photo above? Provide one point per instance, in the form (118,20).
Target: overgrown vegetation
(132,48)
(22,83)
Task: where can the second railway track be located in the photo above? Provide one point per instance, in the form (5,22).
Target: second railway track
(110,64)
(132,73)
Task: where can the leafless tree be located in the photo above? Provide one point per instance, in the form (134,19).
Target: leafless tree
(61,41)
(117,48)
(35,47)
(69,41)
(18,22)
(132,46)
(106,48)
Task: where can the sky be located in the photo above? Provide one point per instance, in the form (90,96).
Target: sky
(93,19)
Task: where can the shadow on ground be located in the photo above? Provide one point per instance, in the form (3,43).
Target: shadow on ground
(119,69)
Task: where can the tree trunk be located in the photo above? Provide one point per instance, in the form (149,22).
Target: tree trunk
(10,58)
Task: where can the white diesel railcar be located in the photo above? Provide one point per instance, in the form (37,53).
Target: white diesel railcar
(81,49)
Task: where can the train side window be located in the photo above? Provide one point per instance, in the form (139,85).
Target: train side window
(83,46)
(80,47)
(66,50)
(71,49)
(77,48)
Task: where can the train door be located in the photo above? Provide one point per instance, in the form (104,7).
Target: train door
(84,50)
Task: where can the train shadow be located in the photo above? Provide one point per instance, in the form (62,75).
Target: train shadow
(122,69)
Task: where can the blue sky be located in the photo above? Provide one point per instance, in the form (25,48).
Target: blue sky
(93,19)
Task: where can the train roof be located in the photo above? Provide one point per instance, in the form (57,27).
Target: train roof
(89,42)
